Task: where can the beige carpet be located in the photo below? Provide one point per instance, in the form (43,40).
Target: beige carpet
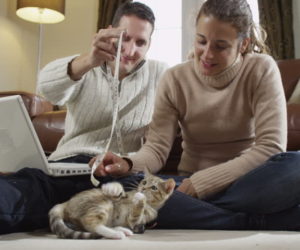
(161,240)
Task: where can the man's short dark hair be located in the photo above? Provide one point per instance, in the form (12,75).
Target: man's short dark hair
(137,9)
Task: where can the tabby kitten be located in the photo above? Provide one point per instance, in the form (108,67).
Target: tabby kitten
(110,212)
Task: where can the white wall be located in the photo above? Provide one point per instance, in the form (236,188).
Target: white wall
(19,41)
(296,16)
(16,51)
(74,34)
(190,10)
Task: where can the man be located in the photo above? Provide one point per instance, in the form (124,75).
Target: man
(83,83)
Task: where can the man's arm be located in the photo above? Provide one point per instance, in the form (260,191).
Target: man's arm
(78,67)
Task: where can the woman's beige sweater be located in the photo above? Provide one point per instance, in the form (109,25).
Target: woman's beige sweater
(231,123)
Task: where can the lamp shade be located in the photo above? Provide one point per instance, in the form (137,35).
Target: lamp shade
(41,11)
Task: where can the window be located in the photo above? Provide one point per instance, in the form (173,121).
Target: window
(254,8)
(166,39)
(170,43)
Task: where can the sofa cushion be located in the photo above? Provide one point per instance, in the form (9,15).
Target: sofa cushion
(50,127)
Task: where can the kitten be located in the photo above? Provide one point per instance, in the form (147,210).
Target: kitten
(110,212)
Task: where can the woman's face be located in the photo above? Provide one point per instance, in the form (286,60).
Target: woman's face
(216,45)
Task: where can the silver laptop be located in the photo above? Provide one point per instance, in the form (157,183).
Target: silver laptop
(20,146)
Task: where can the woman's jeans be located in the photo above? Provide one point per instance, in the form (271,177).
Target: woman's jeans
(267,198)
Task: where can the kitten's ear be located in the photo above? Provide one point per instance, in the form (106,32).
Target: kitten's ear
(170,185)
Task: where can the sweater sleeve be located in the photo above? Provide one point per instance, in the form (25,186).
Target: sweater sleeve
(162,130)
(269,110)
(55,84)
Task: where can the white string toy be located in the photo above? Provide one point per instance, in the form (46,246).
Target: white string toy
(115,126)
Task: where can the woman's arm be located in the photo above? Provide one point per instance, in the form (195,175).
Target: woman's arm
(162,129)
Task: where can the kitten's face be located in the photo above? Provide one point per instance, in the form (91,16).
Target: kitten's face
(155,189)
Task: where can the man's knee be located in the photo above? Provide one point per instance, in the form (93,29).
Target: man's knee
(11,206)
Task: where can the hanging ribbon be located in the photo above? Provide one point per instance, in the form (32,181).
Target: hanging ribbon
(114,126)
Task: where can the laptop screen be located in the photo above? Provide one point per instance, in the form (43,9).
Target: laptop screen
(19,145)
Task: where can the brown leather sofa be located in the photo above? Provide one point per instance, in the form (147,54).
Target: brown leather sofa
(49,122)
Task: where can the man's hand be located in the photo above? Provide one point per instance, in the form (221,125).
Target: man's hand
(103,46)
(103,49)
(111,165)
(187,187)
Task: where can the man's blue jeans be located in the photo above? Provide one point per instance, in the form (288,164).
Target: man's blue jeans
(266,198)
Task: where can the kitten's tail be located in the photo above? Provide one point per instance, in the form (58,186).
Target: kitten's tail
(59,227)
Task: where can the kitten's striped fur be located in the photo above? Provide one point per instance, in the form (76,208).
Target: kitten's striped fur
(110,212)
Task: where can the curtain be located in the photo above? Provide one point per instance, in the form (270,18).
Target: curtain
(276,17)
(107,9)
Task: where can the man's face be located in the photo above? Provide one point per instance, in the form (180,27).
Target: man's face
(135,44)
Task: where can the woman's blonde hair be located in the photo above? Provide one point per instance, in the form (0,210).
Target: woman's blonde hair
(239,15)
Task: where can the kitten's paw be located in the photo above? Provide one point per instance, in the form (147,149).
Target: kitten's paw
(110,233)
(118,235)
(113,189)
(125,230)
(138,197)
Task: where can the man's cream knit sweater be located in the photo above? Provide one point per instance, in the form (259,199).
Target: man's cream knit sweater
(89,104)
(231,123)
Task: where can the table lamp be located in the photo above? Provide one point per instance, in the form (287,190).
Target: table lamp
(42,12)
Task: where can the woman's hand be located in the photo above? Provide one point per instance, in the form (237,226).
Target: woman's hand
(111,165)
(187,187)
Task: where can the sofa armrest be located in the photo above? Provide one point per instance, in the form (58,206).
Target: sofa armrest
(290,74)
(35,104)
(50,127)
(293,111)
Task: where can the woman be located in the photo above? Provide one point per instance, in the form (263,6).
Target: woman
(230,105)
